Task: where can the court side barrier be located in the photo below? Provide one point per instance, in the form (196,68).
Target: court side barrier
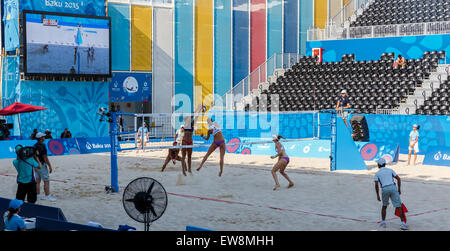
(196,229)
(46,224)
(437,156)
(30,210)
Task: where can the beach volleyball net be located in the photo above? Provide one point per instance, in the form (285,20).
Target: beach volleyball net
(157,131)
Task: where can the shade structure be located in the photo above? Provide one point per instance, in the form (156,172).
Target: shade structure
(18,108)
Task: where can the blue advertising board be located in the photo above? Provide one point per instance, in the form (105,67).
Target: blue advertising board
(372,151)
(437,156)
(56,147)
(81,7)
(130,87)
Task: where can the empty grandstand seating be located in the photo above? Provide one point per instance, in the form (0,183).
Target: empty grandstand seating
(387,12)
(370,85)
(438,103)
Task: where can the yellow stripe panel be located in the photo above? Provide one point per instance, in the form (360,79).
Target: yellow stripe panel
(204,52)
(141,38)
(320,13)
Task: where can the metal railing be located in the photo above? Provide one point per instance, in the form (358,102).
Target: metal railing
(260,75)
(388,111)
(349,10)
(333,32)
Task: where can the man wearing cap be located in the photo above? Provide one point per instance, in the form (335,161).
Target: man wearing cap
(385,179)
(413,143)
(12,220)
(343,103)
(43,173)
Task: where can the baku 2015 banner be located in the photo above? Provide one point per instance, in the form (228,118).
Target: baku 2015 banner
(81,7)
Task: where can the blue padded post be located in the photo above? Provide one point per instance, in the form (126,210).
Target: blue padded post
(114,168)
(347,155)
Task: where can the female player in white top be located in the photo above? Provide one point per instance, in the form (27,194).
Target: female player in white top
(219,141)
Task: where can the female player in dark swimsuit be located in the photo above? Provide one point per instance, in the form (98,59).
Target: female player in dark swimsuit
(187,139)
(173,152)
(283,161)
(219,141)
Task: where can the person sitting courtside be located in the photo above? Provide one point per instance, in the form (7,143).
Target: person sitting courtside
(66,134)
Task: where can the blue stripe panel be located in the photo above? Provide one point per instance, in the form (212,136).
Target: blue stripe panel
(290,26)
(306,21)
(222,46)
(120,36)
(240,40)
(274,29)
(184,62)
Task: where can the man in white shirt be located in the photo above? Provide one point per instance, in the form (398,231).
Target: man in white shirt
(413,143)
(385,179)
(142,137)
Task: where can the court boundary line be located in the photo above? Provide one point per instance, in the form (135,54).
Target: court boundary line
(253,205)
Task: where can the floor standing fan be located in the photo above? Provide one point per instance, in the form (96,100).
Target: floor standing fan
(145,200)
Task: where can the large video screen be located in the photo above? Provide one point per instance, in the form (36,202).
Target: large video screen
(65,44)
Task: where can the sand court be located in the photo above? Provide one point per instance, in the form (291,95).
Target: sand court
(243,199)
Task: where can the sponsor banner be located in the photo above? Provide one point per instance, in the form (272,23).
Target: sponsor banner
(81,7)
(301,148)
(372,151)
(437,156)
(130,87)
(57,147)
(54,147)
(94,145)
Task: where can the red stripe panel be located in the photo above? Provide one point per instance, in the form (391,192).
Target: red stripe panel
(258,29)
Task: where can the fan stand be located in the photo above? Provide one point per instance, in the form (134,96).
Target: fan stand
(147,221)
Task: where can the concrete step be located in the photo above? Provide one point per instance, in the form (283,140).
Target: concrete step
(407,109)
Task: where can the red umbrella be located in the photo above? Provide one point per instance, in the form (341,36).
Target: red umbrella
(18,108)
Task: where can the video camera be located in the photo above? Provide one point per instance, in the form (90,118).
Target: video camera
(4,129)
(103,112)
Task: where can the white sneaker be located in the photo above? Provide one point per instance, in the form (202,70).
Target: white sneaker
(404,226)
(50,198)
(383,224)
(40,197)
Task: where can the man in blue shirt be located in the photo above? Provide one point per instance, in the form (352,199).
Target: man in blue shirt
(343,103)
(26,183)
(385,179)
(13,222)
(413,143)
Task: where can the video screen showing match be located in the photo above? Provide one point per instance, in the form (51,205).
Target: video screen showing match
(67,44)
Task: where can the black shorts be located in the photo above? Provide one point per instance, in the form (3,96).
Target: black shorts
(27,190)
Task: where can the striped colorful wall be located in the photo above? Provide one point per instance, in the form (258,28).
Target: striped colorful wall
(131,37)
(217,43)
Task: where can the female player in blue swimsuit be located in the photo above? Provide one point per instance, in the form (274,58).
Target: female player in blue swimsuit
(283,161)
(219,141)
